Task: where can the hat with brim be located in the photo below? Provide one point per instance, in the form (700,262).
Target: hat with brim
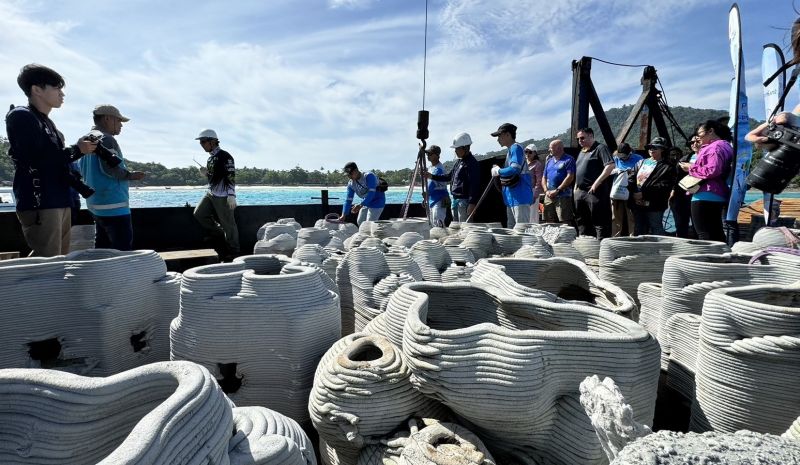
(505,127)
(109,110)
(433,150)
(657,143)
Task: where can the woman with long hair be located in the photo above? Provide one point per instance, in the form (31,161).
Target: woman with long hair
(712,166)
(680,201)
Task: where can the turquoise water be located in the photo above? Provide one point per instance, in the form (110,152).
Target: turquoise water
(247,195)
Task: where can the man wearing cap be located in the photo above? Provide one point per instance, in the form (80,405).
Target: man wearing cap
(536,167)
(215,210)
(559,173)
(109,204)
(42,162)
(437,190)
(514,176)
(592,193)
(465,177)
(366,186)
(655,178)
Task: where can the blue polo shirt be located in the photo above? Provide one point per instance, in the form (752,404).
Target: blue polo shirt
(555,171)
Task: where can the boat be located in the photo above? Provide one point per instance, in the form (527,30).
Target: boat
(7,200)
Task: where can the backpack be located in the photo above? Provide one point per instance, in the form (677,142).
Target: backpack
(619,190)
(383,185)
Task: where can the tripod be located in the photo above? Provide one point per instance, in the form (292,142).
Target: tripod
(419,172)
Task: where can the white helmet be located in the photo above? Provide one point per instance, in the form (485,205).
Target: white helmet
(207,134)
(461,140)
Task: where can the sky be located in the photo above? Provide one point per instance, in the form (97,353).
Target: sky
(318,83)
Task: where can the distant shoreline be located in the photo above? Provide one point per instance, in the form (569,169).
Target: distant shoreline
(252,186)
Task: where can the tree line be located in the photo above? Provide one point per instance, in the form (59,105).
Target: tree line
(160,175)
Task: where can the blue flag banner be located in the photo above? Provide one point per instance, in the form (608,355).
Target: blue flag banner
(739,121)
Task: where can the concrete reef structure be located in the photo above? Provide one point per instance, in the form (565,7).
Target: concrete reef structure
(630,261)
(628,442)
(568,279)
(361,394)
(429,442)
(94,312)
(749,360)
(509,365)
(158,414)
(260,325)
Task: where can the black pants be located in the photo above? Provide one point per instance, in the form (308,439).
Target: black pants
(113,232)
(707,219)
(593,213)
(682,213)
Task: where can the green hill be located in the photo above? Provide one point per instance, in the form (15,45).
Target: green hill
(159,175)
(687,118)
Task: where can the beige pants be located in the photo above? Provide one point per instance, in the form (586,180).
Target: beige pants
(558,210)
(46,231)
(620,216)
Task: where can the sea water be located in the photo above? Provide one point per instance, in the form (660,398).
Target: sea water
(178,196)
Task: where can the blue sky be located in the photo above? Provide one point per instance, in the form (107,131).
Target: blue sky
(319,83)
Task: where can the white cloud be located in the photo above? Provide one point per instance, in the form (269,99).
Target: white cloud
(350,90)
(350,4)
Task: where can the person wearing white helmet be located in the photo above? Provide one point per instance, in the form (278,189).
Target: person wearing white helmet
(465,177)
(215,210)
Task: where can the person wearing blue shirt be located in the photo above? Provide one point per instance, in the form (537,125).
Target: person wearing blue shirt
(557,179)
(625,161)
(518,196)
(437,190)
(109,205)
(365,185)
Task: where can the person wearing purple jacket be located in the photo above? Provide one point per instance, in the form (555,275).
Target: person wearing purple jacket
(712,165)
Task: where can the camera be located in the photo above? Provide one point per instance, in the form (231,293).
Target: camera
(774,172)
(105,154)
(74,179)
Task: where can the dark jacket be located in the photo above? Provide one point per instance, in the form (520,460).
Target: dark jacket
(657,187)
(42,162)
(221,169)
(680,194)
(466,179)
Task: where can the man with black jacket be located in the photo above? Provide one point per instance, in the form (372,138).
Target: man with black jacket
(43,168)
(215,210)
(465,177)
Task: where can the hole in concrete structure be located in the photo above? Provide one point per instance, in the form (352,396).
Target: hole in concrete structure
(229,382)
(138,341)
(46,352)
(574,292)
(366,353)
(445,440)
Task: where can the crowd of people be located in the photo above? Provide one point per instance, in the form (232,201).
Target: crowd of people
(602,194)
(49,174)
